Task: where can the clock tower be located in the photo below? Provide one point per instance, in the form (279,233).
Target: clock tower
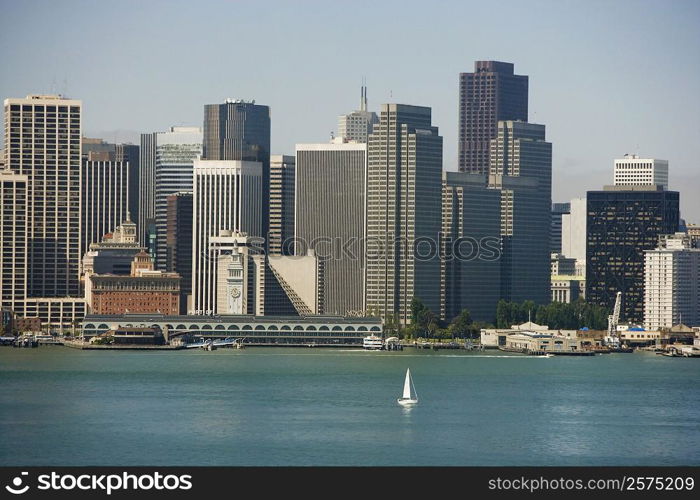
(234,283)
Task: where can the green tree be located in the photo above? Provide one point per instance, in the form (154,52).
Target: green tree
(417,310)
(460,325)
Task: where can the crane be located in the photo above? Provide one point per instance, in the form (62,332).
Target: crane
(613,319)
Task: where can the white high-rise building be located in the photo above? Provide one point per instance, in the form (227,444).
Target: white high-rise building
(227,196)
(573,234)
(633,170)
(176,151)
(672,283)
(356,126)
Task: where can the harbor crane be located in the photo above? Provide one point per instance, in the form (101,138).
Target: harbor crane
(613,338)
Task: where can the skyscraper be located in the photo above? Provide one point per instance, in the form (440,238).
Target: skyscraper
(281,233)
(404,212)
(227,196)
(13,240)
(147,187)
(573,234)
(127,153)
(471,267)
(623,222)
(176,151)
(240,130)
(330,218)
(521,168)
(357,126)
(558,210)
(633,170)
(105,202)
(672,283)
(178,243)
(42,141)
(490,94)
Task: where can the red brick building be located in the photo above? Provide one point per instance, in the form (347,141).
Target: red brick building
(145,291)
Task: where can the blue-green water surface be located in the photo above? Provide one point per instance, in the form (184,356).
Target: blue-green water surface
(317,407)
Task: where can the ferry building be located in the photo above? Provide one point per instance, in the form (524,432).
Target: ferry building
(318,330)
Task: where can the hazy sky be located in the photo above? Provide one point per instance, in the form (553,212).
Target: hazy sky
(606,78)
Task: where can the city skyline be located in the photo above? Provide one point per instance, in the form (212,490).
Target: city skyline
(600,96)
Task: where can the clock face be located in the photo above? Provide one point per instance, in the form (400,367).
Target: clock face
(235,293)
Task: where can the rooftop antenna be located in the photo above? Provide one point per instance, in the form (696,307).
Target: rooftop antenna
(363,97)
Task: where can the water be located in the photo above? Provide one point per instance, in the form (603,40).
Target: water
(276,407)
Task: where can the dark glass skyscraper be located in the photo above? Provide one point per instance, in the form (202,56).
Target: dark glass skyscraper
(622,222)
(178,242)
(488,95)
(240,130)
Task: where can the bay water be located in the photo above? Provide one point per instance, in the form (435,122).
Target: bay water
(337,407)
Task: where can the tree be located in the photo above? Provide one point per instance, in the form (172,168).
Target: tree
(460,325)
(417,309)
(504,312)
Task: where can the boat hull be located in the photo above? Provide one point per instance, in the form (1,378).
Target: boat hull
(407,402)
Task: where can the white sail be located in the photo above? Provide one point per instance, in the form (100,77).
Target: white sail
(407,385)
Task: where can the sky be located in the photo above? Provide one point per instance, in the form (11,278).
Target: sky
(606,77)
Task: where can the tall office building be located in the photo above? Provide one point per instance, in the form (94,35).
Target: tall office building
(357,126)
(147,188)
(672,283)
(404,212)
(42,141)
(128,153)
(492,93)
(176,151)
(281,233)
(633,170)
(13,240)
(227,195)
(330,218)
(178,243)
(471,267)
(521,168)
(240,130)
(105,202)
(623,222)
(558,210)
(573,234)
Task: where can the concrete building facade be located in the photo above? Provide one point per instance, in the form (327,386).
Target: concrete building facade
(633,170)
(357,126)
(42,142)
(404,213)
(330,201)
(490,94)
(672,283)
(282,185)
(227,196)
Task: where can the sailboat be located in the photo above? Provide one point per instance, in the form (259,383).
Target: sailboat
(409,397)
